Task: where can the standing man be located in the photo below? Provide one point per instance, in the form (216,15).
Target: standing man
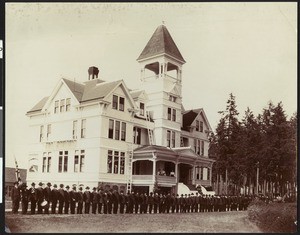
(54,198)
(173,203)
(94,200)
(25,195)
(73,199)
(109,201)
(150,202)
(15,197)
(177,203)
(115,201)
(40,197)
(100,200)
(47,195)
(67,199)
(136,202)
(87,200)
(61,198)
(122,200)
(33,198)
(80,201)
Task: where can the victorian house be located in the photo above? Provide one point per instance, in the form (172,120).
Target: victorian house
(101,133)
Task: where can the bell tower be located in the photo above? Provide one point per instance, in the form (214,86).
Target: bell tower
(161,75)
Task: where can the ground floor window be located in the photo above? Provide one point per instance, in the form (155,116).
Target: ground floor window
(63,161)
(79,160)
(115,162)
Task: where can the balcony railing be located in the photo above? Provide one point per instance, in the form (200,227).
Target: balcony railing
(162,179)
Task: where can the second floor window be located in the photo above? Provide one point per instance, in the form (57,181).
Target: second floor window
(202,148)
(171,139)
(62,106)
(137,135)
(117,130)
(115,102)
(118,103)
(172,114)
(83,128)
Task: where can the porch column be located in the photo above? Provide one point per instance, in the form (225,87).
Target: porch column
(176,172)
(193,175)
(154,170)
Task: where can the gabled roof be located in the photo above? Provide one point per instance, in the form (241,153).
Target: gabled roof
(187,118)
(76,88)
(161,42)
(39,105)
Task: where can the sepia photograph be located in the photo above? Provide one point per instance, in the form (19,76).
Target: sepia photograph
(150,117)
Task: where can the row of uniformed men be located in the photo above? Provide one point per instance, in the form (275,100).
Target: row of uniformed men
(110,201)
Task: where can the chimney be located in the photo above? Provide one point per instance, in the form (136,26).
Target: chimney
(93,72)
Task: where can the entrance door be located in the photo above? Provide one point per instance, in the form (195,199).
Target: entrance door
(185,172)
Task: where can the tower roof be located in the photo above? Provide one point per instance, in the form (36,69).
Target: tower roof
(161,42)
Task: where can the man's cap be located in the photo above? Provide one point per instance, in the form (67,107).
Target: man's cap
(40,183)
(80,188)
(87,187)
(61,185)
(67,186)
(49,184)
(94,188)
(74,187)
(55,185)
(32,184)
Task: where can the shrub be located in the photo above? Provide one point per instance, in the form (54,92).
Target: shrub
(273,216)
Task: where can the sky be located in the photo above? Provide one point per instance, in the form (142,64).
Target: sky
(248,49)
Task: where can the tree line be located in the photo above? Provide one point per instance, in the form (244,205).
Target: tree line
(255,149)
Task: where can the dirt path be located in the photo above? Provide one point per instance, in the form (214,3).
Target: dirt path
(211,222)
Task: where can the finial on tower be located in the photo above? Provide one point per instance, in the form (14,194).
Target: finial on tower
(163,22)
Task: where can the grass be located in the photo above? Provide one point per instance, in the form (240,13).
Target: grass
(235,221)
(274,217)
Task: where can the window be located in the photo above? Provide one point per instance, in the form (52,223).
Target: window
(74,129)
(198,147)
(56,106)
(123,131)
(83,127)
(63,161)
(62,106)
(44,163)
(172,114)
(169,113)
(201,126)
(208,173)
(68,104)
(201,173)
(137,135)
(48,130)
(202,148)
(115,102)
(49,164)
(117,130)
(79,160)
(173,139)
(195,145)
(116,162)
(109,161)
(122,104)
(168,138)
(41,133)
(122,163)
(111,129)
(197,125)
(172,98)
(142,109)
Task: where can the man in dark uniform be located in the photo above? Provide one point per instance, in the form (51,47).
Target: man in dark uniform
(109,201)
(15,197)
(67,199)
(115,201)
(100,200)
(24,196)
(122,200)
(177,203)
(145,203)
(54,198)
(94,200)
(73,199)
(87,200)
(136,202)
(47,195)
(105,199)
(150,202)
(156,202)
(33,198)
(173,202)
(40,198)
(80,200)
(182,203)
(131,202)
(167,203)
(61,198)
(193,202)
(142,201)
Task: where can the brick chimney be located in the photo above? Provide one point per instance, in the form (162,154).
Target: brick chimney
(93,72)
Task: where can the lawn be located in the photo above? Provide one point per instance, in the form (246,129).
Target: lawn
(235,221)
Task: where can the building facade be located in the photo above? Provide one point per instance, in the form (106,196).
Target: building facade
(101,133)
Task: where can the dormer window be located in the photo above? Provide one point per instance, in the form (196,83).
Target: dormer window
(172,98)
(201,126)
(142,109)
(118,103)
(197,125)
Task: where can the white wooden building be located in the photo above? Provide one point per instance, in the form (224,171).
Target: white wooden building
(100,133)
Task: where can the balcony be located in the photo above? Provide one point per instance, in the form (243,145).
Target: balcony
(165,180)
